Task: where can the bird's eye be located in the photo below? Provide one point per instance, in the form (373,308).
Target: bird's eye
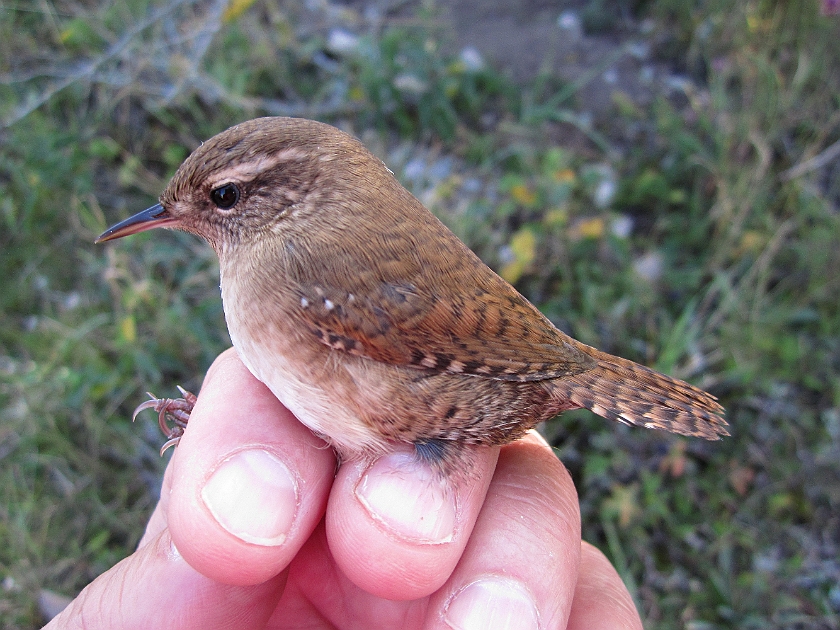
(225,196)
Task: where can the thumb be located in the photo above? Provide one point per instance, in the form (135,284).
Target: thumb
(156,588)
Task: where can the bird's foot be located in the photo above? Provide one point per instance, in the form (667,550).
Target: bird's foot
(174,410)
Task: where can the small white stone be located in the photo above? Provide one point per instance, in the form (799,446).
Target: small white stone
(410,83)
(472,59)
(621,226)
(342,42)
(570,22)
(604,193)
(649,266)
(72,300)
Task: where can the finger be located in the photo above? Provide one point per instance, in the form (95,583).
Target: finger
(520,567)
(396,528)
(158,521)
(156,588)
(249,482)
(601,599)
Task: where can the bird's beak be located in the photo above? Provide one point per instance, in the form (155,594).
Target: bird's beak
(153,217)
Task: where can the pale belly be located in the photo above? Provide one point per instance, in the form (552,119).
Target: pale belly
(309,382)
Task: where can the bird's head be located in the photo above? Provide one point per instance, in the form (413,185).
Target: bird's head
(258,178)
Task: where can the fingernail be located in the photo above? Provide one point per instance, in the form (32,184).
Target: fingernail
(492,603)
(404,494)
(253,495)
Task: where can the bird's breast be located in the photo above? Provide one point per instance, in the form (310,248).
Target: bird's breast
(310,379)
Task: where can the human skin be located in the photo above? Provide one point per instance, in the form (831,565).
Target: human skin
(257,527)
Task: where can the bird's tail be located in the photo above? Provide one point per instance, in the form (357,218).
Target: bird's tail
(627,392)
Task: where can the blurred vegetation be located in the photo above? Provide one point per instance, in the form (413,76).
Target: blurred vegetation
(698,234)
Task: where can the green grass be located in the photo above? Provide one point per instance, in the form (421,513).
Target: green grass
(729,276)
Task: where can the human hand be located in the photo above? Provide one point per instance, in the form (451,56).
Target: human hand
(256,529)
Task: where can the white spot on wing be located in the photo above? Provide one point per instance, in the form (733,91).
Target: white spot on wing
(429,361)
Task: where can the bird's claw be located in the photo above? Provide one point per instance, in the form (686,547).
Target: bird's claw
(174,410)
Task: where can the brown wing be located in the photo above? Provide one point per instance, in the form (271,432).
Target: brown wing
(496,334)
(388,281)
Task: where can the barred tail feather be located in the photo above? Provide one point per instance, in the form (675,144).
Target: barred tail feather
(624,391)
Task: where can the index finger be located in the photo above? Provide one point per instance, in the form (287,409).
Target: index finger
(249,482)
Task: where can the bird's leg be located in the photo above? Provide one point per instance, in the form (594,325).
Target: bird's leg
(174,410)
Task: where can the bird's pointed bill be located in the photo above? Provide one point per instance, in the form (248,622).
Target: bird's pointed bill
(153,217)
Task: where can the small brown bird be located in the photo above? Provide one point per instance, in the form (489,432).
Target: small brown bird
(370,320)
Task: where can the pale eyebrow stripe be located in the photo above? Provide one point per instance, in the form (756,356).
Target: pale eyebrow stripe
(247,171)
